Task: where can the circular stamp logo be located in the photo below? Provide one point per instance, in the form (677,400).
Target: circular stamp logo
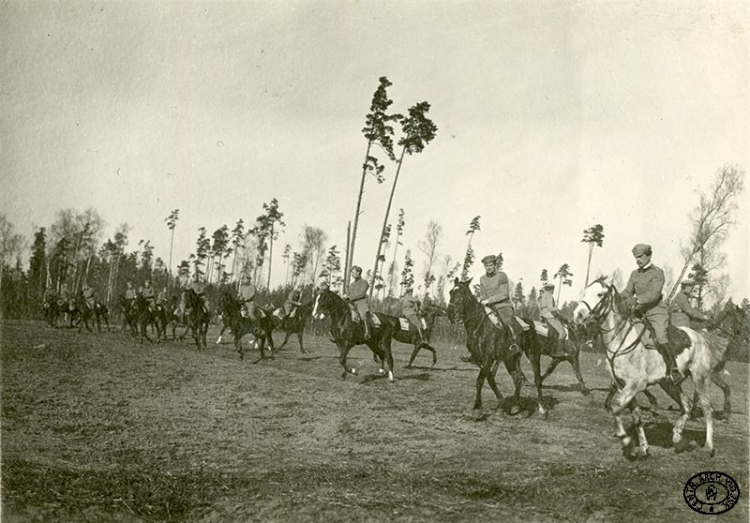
(711,492)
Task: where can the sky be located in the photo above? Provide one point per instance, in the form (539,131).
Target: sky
(552,117)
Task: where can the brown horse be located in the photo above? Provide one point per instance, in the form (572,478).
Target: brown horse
(490,345)
(294,324)
(410,335)
(261,328)
(347,332)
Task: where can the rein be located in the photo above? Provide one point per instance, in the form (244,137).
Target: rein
(600,312)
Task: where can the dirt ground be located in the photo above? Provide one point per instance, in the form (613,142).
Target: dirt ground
(96,427)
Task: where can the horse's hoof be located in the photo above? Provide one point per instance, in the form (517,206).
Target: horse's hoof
(381,371)
(586,392)
(680,446)
(712,453)
(515,409)
(352,370)
(407,366)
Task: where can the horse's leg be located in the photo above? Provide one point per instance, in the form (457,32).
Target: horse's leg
(512,367)
(479,384)
(551,367)
(642,441)
(576,364)
(683,400)
(389,357)
(622,399)
(493,384)
(536,365)
(343,351)
(414,353)
(299,338)
(287,333)
(702,385)
(719,381)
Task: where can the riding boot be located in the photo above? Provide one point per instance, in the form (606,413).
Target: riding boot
(673,372)
(366,324)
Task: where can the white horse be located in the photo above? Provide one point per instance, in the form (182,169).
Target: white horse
(634,367)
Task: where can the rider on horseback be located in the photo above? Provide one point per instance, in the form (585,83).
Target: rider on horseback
(681,310)
(643,296)
(549,314)
(358,297)
(246,295)
(494,290)
(411,310)
(290,305)
(88,296)
(148,294)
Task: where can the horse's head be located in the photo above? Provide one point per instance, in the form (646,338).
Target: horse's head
(593,302)
(321,303)
(460,296)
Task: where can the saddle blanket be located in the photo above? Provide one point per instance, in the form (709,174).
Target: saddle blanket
(492,315)
(406,324)
(542,329)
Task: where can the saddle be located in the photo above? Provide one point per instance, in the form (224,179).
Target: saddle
(543,329)
(405,324)
(678,339)
(495,319)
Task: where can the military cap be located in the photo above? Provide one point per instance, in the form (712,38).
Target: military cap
(548,286)
(687,281)
(489,259)
(641,248)
(357,268)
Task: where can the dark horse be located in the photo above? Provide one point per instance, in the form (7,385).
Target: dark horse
(293,324)
(489,345)
(128,315)
(198,317)
(347,332)
(261,329)
(52,310)
(101,314)
(85,312)
(143,318)
(411,335)
(570,350)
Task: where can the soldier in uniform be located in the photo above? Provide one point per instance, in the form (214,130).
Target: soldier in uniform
(148,294)
(643,295)
(291,304)
(130,294)
(411,310)
(358,296)
(549,314)
(494,291)
(681,310)
(246,295)
(88,296)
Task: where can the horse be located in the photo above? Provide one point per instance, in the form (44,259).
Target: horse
(198,317)
(143,317)
(489,345)
(347,332)
(410,334)
(293,324)
(101,314)
(51,311)
(261,329)
(633,367)
(571,348)
(85,312)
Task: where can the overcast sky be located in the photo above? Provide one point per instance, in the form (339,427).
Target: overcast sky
(552,117)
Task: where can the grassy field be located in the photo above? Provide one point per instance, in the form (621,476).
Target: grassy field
(96,427)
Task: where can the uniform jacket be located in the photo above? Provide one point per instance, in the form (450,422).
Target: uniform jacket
(410,305)
(247,292)
(646,285)
(358,290)
(496,290)
(682,311)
